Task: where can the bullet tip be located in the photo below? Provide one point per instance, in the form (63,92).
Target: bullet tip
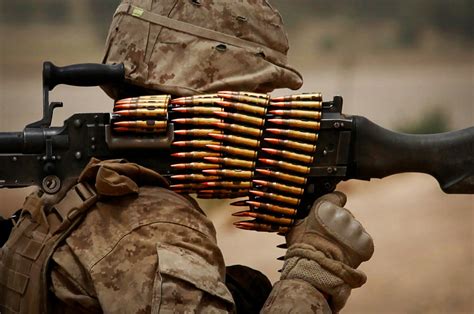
(239,203)
(179,109)
(272,140)
(180,120)
(178,101)
(258,193)
(217,135)
(214,147)
(253,203)
(263,171)
(177,186)
(245,225)
(213,159)
(276,121)
(223,103)
(239,214)
(270,150)
(180,143)
(267,161)
(221,113)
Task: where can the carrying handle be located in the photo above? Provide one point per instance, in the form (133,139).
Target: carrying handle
(84,74)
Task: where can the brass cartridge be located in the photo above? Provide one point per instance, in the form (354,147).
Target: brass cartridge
(139,130)
(241,118)
(150,98)
(285,165)
(297,113)
(237,128)
(231,162)
(229,184)
(283,176)
(197,110)
(292,144)
(298,104)
(232,173)
(236,140)
(273,208)
(289,155)
(251,225)
(142,105)
(196,100)
(195,143)
(143,112)
(244,93)
(197,132)
(234,151)
(197,121)
(196,154)
(187,186)
(277,197)
(243,107)
(194,177)
(196,166)
(300,97)
(265,218)
(297,124)
(148,124)
(280,187)
(246,98)
(295,134)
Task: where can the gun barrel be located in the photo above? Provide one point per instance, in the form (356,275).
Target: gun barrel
(11,142)
(31,140)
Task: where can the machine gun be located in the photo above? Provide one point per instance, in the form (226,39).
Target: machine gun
(348,147)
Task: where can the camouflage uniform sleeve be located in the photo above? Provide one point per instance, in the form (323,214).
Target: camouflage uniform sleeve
(295,296)
(152,253)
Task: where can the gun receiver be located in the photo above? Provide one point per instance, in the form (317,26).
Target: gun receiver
(348,147)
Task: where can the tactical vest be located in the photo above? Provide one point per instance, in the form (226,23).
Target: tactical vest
(24,259)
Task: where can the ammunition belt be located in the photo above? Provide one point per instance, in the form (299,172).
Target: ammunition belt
(235,144)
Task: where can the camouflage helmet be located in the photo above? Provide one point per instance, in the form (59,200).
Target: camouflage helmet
(200,46)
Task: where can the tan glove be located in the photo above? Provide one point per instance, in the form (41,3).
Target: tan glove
(325,248)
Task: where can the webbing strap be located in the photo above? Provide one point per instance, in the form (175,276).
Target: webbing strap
(78,199)
(198,31)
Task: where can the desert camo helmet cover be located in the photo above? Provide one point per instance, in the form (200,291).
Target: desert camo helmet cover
(187,47)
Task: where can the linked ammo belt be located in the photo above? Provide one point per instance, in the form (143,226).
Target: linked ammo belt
(235,144)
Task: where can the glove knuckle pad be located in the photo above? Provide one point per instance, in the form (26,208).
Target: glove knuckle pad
(341,225)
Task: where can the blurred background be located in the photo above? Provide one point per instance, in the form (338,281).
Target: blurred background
(406,65)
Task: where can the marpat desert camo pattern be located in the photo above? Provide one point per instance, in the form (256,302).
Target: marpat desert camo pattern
(181,64)
(152,252)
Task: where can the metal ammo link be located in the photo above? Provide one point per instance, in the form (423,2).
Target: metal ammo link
(235,144)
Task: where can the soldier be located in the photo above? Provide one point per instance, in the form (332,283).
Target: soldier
(120,241)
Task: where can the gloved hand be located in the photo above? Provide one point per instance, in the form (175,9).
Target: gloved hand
(325,248)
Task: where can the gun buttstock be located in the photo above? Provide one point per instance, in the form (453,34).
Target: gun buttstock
(449,157)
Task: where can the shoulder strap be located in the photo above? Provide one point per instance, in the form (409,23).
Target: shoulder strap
(76,201)
(25,256)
